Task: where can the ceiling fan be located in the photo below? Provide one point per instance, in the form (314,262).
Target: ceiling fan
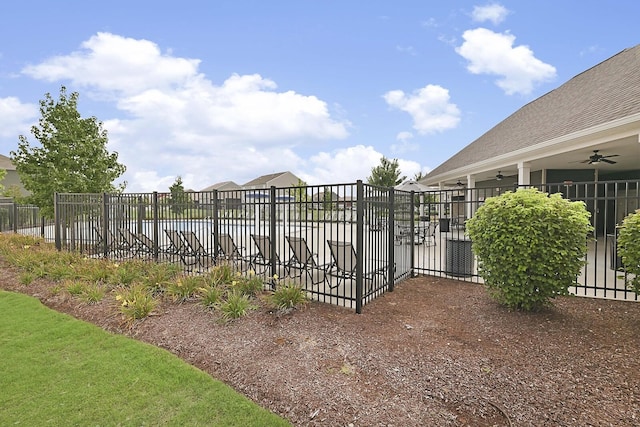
(597,158)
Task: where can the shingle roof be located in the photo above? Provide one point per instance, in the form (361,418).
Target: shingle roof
(222,185)
(264,179)
(605,92)
(6,164)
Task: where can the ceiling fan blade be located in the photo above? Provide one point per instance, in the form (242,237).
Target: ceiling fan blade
(610,155)
(611,162)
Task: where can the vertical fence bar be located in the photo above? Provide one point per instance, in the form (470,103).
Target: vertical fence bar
(216,226)
(105,225)
(56,216)
(359,244)
(14,209)
(391,272)
(272,234)
(155,225)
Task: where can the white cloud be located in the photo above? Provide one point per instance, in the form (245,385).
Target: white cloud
(493,53)
(178,122)
(429,107)
(341,165)
(109,62)
(347,165)
(404,144)
(16,117)
(496,13)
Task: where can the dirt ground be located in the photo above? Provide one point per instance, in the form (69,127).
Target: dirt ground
(435,352)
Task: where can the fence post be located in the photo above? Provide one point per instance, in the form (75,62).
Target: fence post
(412,231)
(156,230)
(272,234)
(105,225)
(391,272)
(15,217)
(359,243)
(216,228)
(56,220)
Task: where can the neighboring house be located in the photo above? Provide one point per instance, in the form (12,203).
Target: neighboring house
(11,179)
(586,130)
(226,195)
(278,180)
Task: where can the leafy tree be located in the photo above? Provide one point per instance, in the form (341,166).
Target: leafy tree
(386,174)
(301,197)
(71,157)
(179,198)
(3,173)
(530,246)
(629,249)
(418,176)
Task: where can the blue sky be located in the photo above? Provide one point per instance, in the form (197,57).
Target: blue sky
(229,90)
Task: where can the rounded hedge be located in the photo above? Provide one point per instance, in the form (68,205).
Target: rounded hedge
(629,249)
(530,246)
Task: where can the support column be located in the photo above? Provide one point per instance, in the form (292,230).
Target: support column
(524,173)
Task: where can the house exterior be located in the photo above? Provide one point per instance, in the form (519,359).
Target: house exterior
(565,135)
(225,195)
(278,180)
(11,179)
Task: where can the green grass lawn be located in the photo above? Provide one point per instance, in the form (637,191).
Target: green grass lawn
(56,370)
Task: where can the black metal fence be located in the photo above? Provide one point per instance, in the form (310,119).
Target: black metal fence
(24,219)
(313,234)
(345,243)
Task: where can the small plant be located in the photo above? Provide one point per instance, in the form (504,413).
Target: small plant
(159,276)
(235,306)
(75,287)
(95,271)
(288,296)
(184,288)
(249,284)
(26,278)
(210,295)
(127,272)
(136,302)
(93,293)
(222,274)
(59,271)
(629,249)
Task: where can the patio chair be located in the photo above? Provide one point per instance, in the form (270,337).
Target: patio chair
(136,243)
(427,234)
(228,251)
(304,262)
(196,250)
(261,261)
(109,242)
(345,261)
(177,246)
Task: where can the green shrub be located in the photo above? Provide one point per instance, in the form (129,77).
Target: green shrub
(222,274)
(236,305)
(629,249)
(210,295)
(136,302)
(158,276)
(530,246)
(75,287)
(184,288)
(127,272)
(287,296)
(93,293)
(249,284)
